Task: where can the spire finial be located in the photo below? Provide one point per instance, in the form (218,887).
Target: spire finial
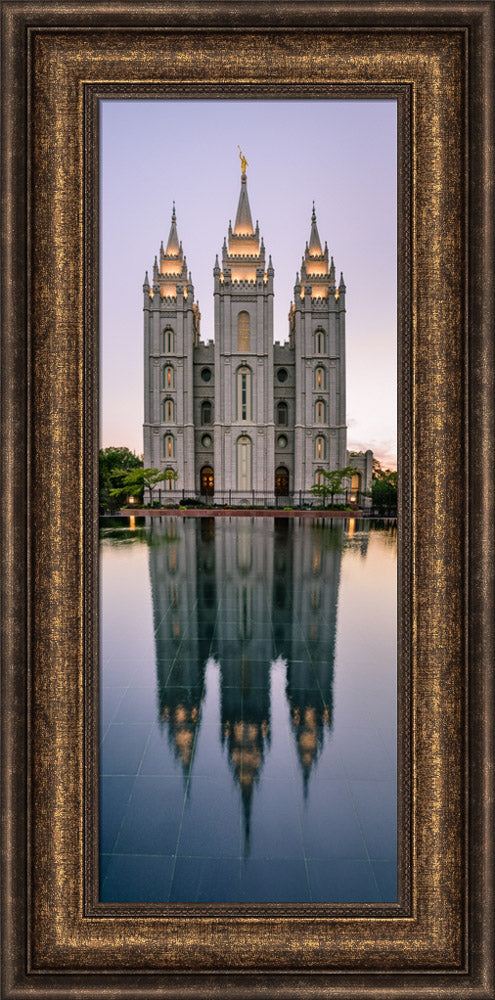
(172,248)
(314,248)
(243,222)
(244,162)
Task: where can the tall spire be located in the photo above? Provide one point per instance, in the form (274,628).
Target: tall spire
(171,268)
(243,251)
(314,239)
(243,221)
(317,273)
(173,238)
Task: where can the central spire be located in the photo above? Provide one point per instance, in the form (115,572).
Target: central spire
(243,221)
(243,252)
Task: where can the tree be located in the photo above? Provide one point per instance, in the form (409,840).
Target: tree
(114,464)
(137,480)
(384,488)
(331,482)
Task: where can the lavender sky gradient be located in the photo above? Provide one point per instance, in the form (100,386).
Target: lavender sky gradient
(342,154)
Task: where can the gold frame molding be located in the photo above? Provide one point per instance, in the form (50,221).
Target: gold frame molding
(437,60)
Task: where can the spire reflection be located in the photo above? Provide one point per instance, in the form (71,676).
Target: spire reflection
(306,628)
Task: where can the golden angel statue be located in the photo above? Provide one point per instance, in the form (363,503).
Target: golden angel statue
(244,162)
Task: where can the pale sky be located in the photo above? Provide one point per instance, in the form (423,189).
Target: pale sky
(341,154)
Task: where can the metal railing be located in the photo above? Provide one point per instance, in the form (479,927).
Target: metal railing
(295,499)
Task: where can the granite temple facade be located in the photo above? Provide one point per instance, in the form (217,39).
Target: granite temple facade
(243,416)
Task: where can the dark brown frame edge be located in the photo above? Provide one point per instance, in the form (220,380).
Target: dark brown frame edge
(93,94)
(478,18)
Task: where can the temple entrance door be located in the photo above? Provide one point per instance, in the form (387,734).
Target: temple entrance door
(207,481)
(281,482)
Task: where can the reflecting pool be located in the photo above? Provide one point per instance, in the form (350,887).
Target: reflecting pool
(248,710)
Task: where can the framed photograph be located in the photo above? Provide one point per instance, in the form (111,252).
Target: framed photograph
(239,693)
(136,920)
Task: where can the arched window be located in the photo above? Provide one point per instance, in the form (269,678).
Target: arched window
(320,341)
(320,447)
(320,411)
(168,411)
(244,393)
(320,378)
(206,412)
(168,446)
(243,331)
(282,414)
(244,463)
(168,377)
(168,340)
(319,477)
(170,481)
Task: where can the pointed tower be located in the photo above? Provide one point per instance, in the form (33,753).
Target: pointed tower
(244,426)
(317,333)
(171,331)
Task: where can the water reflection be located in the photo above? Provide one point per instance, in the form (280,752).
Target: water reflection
(252,605)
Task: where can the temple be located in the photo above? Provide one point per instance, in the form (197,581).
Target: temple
(243,417)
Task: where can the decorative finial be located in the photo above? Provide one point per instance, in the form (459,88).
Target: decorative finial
(313,218)
(244,162)
(173,211)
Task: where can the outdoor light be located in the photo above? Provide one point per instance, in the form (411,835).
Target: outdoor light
(132,500)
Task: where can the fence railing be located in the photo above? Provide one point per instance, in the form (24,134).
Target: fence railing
(299,499)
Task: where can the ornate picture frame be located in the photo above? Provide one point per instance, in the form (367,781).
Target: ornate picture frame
(58,60)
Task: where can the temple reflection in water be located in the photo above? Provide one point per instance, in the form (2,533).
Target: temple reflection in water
(254,594)
(244,619)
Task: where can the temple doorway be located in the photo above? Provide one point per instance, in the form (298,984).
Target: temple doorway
(281,482)
(207,480)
